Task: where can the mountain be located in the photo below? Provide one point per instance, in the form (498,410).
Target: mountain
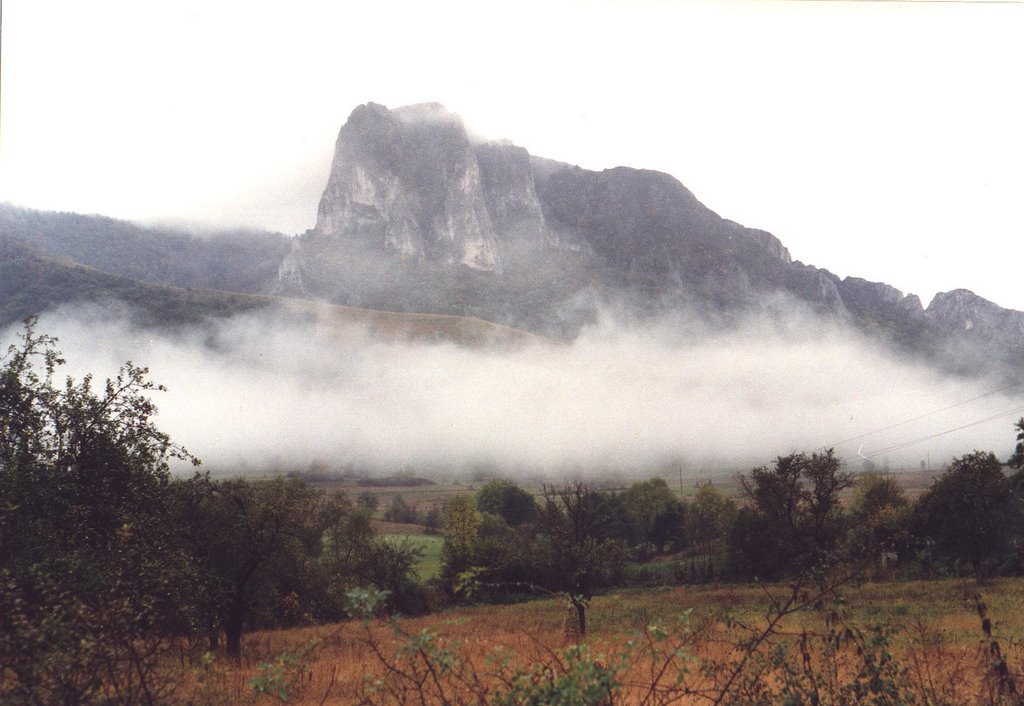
(234,260)
(33,281)
(409,180)
(419,217)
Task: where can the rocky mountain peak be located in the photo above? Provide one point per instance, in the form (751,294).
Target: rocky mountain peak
(425,113)
(418,216)
(978,332)
(963,310)
(407,181)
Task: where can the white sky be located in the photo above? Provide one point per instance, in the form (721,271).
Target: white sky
(878,139)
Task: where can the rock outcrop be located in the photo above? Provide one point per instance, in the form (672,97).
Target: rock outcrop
(417,217)
(510,192)
(408,182)
(966,315)
(882,305)
(289,273)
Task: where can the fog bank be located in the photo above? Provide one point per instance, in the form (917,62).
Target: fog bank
(261,393)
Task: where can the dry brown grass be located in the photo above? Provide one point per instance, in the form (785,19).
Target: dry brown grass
(938,637)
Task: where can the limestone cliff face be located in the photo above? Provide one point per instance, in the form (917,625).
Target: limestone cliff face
(637,220)
(648,225)
(881,303)
(764,240)
(818,287)
(965,314)
(510,192)
(289,273)
(417,217)
(407,180)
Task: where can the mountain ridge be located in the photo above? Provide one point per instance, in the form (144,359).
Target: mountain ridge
(418,216)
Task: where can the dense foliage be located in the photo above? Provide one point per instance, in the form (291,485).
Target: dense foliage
(106,560)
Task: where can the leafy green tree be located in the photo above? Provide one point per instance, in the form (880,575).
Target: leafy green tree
(874,492)
(255,543)
(462,521)
(491,547)
(508,500)
(400,511)
(880,516)
(969,512)
(579,560)
(709,518)
(795,519)
(655,513)
(369,500)
(355,556)
(91,573)
(1016,460)
(432,520)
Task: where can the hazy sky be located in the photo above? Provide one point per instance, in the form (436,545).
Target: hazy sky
(877,139)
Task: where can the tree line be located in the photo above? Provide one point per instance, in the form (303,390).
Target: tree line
(802,513)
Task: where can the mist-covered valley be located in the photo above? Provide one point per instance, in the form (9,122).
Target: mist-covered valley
(271,392)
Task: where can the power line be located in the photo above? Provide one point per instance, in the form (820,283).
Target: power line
(922,416)
(912,442)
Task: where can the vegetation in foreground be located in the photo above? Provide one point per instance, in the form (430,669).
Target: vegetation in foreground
(918,642)
(122,585)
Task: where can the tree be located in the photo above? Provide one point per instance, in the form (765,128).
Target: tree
(400,511)
(969,511)
(655,513)
(91,574)
(432,520)
(1017,459)
(580,560)
(369,500)
(874,492)
(795,520)
(462,521)
(355,556)
(709,516)
(255,543)
(880,516)
(508,500)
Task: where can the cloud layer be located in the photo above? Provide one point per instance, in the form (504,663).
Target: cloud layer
(262,393)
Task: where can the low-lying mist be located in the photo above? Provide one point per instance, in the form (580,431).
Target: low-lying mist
(265,392)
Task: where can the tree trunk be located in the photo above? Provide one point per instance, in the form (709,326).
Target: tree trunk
(581,614)
(233,641)
(233,624)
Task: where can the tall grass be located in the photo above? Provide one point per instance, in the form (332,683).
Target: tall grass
(917,642)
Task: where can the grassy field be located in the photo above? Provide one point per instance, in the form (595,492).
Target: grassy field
(937,635)
(429,548)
